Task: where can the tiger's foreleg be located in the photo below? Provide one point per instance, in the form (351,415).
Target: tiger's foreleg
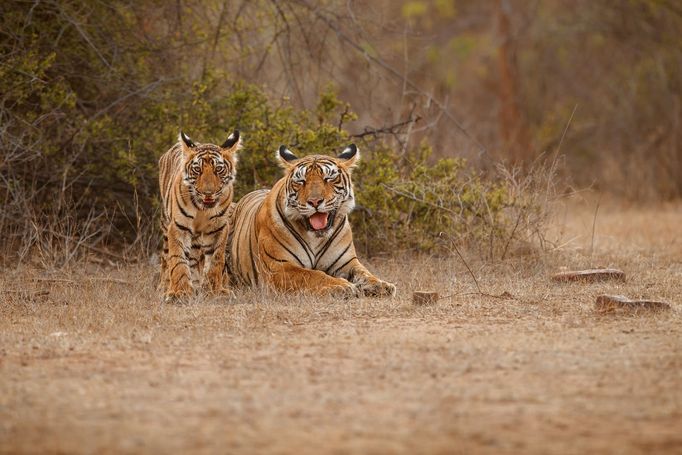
(163,263)
(196,265)
(216,278)
(367,283)
(177,264)
(288,277)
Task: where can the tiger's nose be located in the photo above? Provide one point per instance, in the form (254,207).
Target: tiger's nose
(315,202)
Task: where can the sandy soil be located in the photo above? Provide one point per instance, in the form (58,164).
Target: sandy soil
(98,365)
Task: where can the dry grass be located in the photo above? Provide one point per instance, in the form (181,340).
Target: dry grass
(99,365)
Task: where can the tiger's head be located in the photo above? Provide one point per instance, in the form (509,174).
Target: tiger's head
(209,170)
(318,189)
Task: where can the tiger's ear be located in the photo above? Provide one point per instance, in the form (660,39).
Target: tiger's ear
(231,146)
(186,143)
(350,156)
(285,157)
(233,142)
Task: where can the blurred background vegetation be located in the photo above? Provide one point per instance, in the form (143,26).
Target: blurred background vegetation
(466,112)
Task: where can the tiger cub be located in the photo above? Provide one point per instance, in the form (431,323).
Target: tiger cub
(196,183)
(296,236)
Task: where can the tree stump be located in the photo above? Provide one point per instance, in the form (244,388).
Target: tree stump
(589,276)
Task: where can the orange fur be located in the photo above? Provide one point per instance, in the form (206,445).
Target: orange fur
(196,182)
(275,241)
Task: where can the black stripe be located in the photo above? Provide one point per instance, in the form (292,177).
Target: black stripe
(182,247)
(288,250)
(176,265)
(253,263)
(272,257)
(217,230)
(209,251)
(236,240)
(177,203)
(243,234)
(337,259)
(326,246)
(177,256)
(296,235)
(249,215)
(221,213)
(183,228)
(185,277)
(179,197)
(344,264)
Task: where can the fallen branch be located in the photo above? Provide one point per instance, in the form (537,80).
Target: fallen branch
(589,276)
(608,303)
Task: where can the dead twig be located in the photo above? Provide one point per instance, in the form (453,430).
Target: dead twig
(468,268)
(56,280)
(389,129)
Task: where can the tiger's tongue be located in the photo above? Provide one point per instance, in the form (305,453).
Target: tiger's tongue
(318,220)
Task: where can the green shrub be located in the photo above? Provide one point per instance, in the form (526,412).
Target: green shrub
(83,128)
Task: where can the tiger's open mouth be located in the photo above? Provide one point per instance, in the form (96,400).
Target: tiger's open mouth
(320,221)
(208,202)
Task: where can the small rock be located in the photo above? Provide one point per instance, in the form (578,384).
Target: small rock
(606,303)
(589,276)
(424,298)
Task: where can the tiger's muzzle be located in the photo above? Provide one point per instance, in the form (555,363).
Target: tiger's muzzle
(208,201)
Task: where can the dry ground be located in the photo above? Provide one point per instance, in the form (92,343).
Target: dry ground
(99,365)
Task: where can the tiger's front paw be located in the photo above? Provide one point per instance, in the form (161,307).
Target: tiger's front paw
(377,288)
(177,297)
(344,290)
(179,293)
(216,281)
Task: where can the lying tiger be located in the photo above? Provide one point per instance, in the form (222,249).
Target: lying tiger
(196,183)
(296,236)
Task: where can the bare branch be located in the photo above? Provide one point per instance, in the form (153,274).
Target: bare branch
(391,70)
(388,129)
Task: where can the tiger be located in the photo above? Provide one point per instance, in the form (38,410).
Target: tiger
(296,237)
(196,185)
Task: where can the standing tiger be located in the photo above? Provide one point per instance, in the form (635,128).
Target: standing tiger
(196,182)
(296,236)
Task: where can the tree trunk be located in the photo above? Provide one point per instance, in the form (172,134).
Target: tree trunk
(513,126)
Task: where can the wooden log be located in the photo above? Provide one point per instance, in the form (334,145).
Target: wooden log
(608,303)
(424,298)
(589,276)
